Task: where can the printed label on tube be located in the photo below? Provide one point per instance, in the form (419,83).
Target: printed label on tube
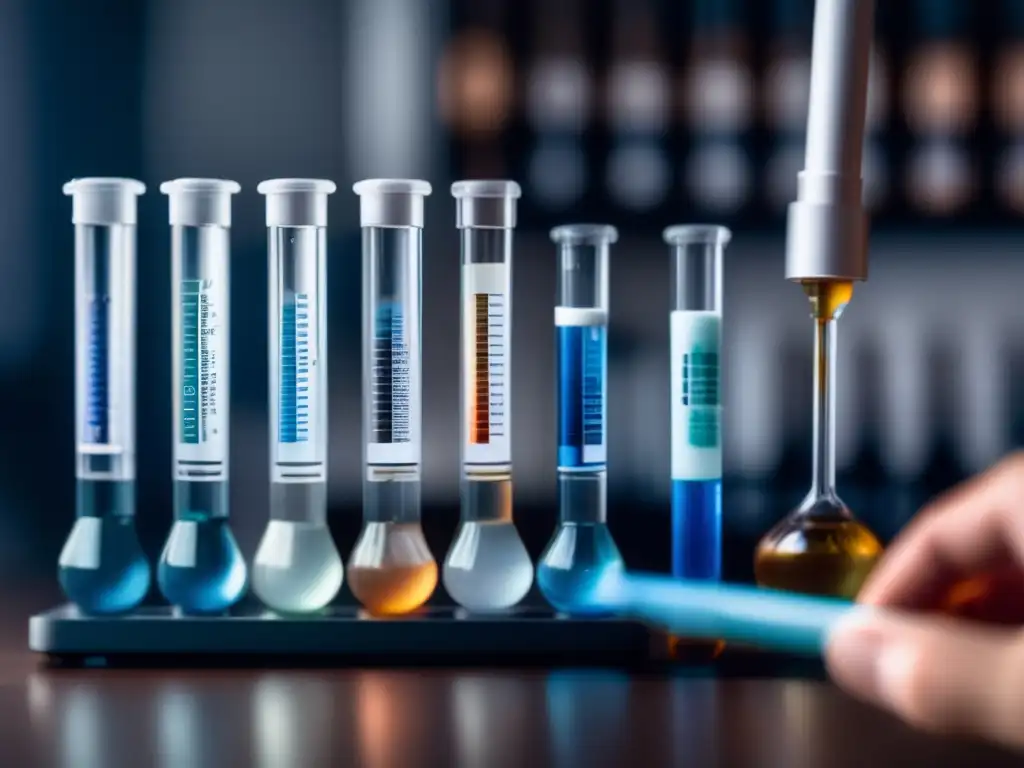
(99,444)
(582,388)
(695,386)
(394,413)
(201,443)
(298,412)
(485,340)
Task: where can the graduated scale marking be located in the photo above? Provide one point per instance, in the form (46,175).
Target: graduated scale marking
(391,383)
(298,397)
(98,392)
(200,361)
(489,368)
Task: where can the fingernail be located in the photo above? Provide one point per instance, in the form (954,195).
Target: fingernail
(853,653)
(869,656)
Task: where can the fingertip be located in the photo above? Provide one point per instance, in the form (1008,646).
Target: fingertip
(851,652)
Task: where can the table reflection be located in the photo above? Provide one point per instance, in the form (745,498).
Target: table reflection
(693,731)
(490,714)
(191,727)
(297,721)
(400,720)
(587,717)
(78,722)
(411,718)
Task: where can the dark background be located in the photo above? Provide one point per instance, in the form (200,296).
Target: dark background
(642,114)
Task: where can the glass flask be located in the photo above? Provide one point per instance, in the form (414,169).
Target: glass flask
(487,567)
(820,548)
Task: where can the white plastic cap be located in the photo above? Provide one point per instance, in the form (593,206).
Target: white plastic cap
(104,201)
(685,234)
(585,234)
(489,204)
(296,202)
(391,202)
(200,202)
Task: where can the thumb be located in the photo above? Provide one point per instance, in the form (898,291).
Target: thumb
(936,673)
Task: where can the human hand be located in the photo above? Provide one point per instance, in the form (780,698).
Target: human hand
(945,648)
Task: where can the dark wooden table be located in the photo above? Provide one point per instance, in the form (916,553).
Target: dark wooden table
(438,717)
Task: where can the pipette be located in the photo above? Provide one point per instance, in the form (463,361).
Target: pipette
(765,618)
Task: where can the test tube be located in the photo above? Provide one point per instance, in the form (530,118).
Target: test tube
(102,568)
(695,327)
(201,570)
(582,547)
(391,570)
(297,567)
(487,567)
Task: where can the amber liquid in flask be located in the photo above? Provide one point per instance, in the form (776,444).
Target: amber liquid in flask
(820,548)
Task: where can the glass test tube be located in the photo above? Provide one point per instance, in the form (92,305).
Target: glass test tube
(297,567)
(391,569)
(696,342)
(487,567)
(582,548)
(201,569)
(102,568)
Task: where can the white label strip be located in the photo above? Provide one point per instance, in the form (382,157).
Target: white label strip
(696,395)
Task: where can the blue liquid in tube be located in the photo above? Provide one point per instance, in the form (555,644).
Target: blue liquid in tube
(578,557)
(696,446)
(697,529)
(201,570)
(102,568)
(582,550)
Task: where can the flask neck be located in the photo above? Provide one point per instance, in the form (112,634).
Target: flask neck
(828,300)
(582,497)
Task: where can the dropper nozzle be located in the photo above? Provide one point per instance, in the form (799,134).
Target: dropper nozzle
(828,298)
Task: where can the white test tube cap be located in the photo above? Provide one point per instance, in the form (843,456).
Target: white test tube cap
(585,234)
(391,202)
(296,202)
(200,202)
(486,203)
(686,234)
(104,201)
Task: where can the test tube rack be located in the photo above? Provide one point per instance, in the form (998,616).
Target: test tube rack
(251,635)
